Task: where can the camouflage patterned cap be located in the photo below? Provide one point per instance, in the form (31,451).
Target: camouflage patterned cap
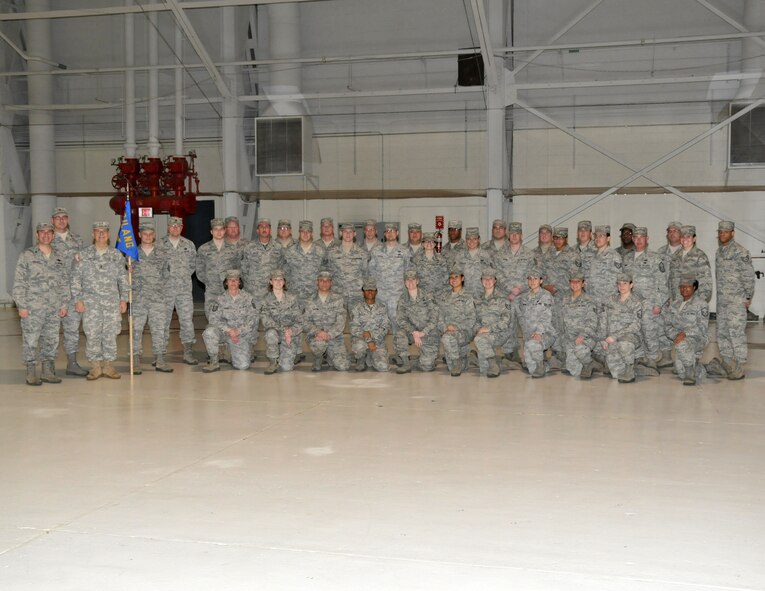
(455,224)
(535,271)
(233,274)
(488,272)
(687,279)
(370,222)
(624,277)
(584,225)
(640,231)
(688,230)
(174,221)
(472,232)
(217,223)
(547,227)
(369,283)
(60,211)
(498,223)
(347,226)
(266,221)
(305,226)
(428,237)
(100,225)
(726,226)
(324,275)
(627,226)
(605,229)
(456,270)
(675,224)
(327,222)
(44,226)
(560,232)
(284,224)
(515,228)
(276,273)
(576,275)
(391,226)
(410,274)
(232,218)
(146,227)
(415,226)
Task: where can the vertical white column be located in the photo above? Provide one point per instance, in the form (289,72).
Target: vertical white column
(153,144)
(179,92)
(496,149)
(232,120)
(130,142)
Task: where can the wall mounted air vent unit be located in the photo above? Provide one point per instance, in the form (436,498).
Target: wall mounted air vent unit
(747,137)
(283,145)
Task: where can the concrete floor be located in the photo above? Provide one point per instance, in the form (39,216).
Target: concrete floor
(336,481)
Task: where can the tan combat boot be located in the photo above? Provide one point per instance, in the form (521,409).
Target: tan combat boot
(95,371)
(108,370)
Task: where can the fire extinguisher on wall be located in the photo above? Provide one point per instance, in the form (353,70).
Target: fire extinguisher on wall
(439,233)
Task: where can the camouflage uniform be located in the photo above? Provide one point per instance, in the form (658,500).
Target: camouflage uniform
(433,273)
(450,249)
(650,280)
(560,266)
(387,265)
(227,312)
(328,316)
(301,268)
(692,318)
(535,315)
(694,262)
(735,284)
(496,313)
(457,309)
(472,265)
(578,317)
(347,268)
(420,314)
(151,273)
(372,319)
(211,265)
(183,262)
(600,279)
(99,281)
(40,285)
(623,321)
(277,316)
(67,249)
(258,261)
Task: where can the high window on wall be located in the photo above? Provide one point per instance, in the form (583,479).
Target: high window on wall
(747,137)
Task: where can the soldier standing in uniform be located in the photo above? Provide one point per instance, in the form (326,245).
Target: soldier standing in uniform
(284,234)
(259,258)
(472,260)
(214,258)
(498,237)
(369,325)
(455,243)
(387,266)
(302,263)
(603,268)
(456,323)
(370,237)
(414,232)
(348,263)
(690,260)
(327,234)
(578,328)
(431,268)
(673,243)
(535,314)
(687,326)
(623,342)
(151,274)
(650,278)
(418,325)
(233,233)
(182,255)
(585,245)
(68,245)
(233,322)
(282,319)
(324,321)
(735,290)
(41,293)
(627,244)
(494,317)
(544,248)
(100,291)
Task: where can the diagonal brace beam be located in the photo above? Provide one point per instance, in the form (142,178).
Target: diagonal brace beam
(484,39)
(730,20)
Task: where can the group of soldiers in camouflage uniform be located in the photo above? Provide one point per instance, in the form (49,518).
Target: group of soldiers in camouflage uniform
(581,308)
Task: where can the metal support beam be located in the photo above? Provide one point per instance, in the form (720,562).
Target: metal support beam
(185,24)
(484,40)
(610,155)
(730,20)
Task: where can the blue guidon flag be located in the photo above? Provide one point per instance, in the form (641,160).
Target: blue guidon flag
(126,239)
